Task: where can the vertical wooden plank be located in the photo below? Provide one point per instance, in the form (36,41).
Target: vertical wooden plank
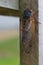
(30,58)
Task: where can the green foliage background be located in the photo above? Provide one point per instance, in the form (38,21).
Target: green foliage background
(11,48)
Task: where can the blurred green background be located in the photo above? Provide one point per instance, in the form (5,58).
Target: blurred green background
(9,41)
(9,51)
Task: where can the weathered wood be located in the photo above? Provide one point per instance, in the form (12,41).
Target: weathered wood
(30,58)
(9,12)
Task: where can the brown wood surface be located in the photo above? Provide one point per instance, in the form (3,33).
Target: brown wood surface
(9,12)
